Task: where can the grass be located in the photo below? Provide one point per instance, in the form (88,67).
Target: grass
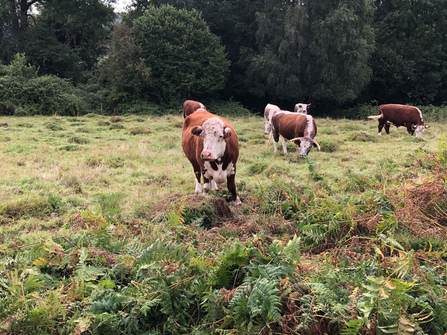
(148,165)
(117,188)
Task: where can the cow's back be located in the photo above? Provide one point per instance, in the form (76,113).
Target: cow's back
(290,125)
(190,106)
(401,114)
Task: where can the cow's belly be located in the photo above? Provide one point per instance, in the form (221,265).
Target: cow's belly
(219,175)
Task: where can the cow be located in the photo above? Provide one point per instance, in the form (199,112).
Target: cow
(301,108)
(400,115)
(190,106)
(211,145)
(268,110)
(295,127)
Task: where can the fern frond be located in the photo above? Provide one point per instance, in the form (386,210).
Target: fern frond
(159,251)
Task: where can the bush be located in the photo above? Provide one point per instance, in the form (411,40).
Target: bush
(23,93)
(167,55)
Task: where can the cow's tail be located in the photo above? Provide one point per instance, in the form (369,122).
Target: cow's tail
(375,117)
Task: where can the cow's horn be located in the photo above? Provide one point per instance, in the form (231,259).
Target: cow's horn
(296,139)
(318,146)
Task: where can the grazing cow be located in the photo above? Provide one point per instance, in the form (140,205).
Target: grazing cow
(301,108)
(298,128)
(268,110)
(400,115)
(190,106)
(211,145)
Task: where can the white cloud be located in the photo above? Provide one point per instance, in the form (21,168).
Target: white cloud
(120,5)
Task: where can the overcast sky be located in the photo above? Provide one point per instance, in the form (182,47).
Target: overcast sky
(120,5)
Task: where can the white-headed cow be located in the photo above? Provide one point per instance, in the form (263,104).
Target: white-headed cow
(301,108)
(268,110)
(298,128)
(400,115)
(211,145)
(190,106)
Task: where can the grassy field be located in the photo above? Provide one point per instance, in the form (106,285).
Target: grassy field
(83,201)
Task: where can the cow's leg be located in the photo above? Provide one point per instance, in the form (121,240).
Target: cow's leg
(380,126)
(284,145)
(410,130)
(231,185)
(197,173)
(214,185)
(387,128)
(275,140)
(206,183)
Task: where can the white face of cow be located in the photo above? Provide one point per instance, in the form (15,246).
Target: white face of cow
(419,130)
(213,133)
(305,146)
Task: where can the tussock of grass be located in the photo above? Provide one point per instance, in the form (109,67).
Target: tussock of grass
(116,126)
(78,140)
(139,130)
(362,137)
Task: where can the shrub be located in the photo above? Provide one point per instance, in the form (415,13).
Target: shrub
(23,93)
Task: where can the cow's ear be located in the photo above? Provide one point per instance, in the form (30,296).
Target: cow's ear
(413,126)
(197,130)
(297,142)
(308,105)
(427,127)
(227,132)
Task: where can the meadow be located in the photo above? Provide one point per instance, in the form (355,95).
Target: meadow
(100,231)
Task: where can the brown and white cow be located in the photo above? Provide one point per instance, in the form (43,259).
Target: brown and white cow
(298,128)
(400,115)
(190,106)
(211,145)
(301,108)
(268,110)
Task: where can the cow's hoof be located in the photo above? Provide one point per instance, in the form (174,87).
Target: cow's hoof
(238,201)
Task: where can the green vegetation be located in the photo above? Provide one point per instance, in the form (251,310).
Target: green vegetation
(100,231)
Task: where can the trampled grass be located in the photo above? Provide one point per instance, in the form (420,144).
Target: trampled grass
(115,187)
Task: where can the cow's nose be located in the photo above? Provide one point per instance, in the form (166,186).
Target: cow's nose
(206,155)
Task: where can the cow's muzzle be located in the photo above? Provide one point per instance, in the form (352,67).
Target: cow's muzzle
(207,156)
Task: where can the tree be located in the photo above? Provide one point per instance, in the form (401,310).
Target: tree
(307,51)
(410,64)
(65,37)
(185,59)
(233,21)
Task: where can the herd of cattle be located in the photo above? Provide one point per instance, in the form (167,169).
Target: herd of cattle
(211,144)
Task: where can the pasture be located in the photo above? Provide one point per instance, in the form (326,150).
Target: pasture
(84,200)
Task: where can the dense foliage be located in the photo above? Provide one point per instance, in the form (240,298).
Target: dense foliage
(166,55)
(23,92)
(331,53)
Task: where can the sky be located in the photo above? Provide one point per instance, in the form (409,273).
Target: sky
(120,5)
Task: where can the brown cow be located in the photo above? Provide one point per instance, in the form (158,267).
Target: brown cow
(268,110)
(211,145)
(298,128)
(301,108)
(190,106)
(400,115)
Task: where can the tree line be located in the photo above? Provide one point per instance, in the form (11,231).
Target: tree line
(328,53)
